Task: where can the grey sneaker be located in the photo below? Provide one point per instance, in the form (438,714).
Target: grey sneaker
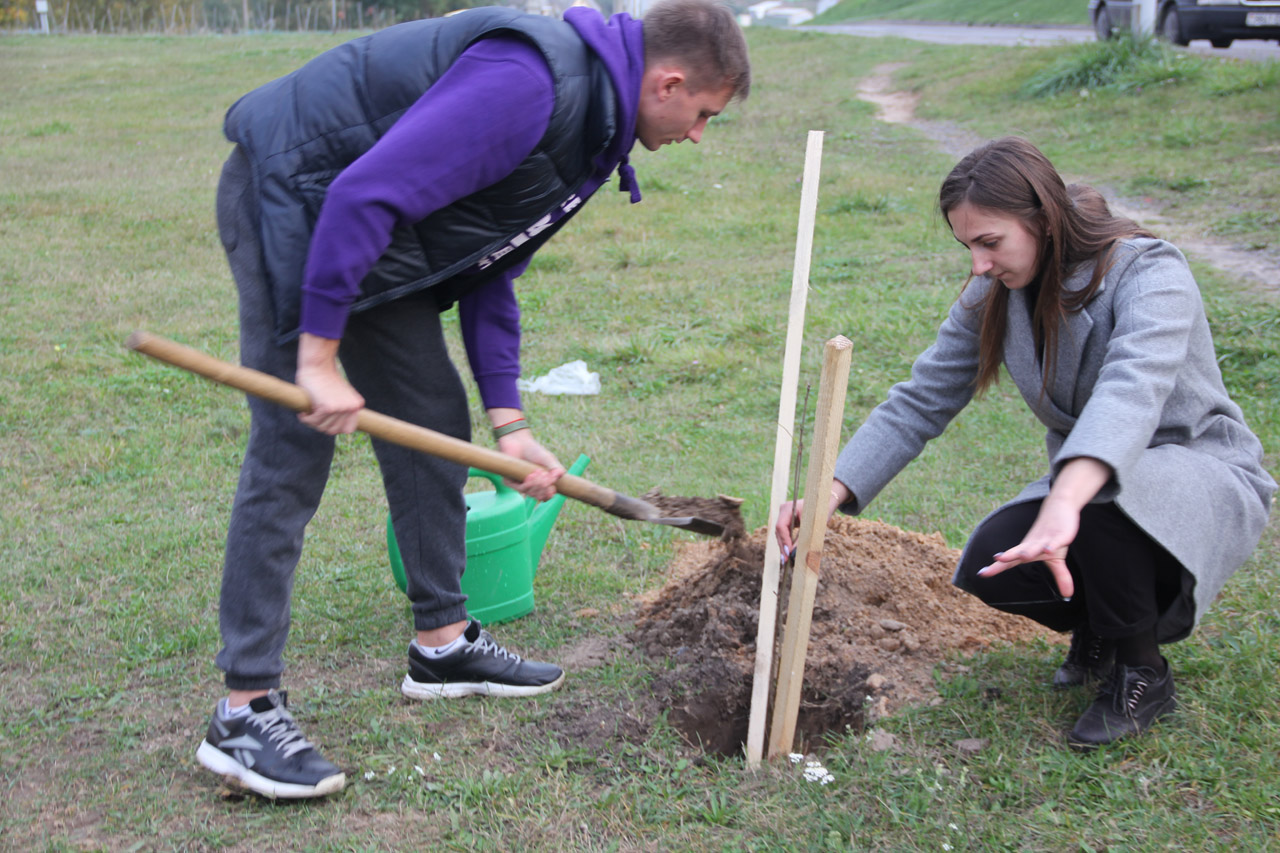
(482,667)
(265,752)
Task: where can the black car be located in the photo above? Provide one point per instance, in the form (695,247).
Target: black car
(1180,21)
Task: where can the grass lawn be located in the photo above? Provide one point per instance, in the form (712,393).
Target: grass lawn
(1008,12)
(117,475)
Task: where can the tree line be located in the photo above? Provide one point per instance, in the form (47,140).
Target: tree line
(226,16)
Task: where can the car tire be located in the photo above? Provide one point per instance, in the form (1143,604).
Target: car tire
(1171,28)
(1102,24)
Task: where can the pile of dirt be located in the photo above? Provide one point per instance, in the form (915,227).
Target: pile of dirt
(885,615)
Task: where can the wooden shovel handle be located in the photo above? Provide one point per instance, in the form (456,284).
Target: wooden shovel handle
(387,428)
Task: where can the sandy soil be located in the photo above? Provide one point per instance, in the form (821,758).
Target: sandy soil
(885,616)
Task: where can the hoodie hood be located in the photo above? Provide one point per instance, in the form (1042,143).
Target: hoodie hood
(619,43)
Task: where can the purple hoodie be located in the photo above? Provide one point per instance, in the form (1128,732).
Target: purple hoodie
(415,169)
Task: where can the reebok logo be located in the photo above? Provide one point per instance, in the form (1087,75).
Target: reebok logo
(242,748)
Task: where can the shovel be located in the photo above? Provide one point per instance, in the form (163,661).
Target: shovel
(409,435)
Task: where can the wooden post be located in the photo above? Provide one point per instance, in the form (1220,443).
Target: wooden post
(782,449)
(813,530)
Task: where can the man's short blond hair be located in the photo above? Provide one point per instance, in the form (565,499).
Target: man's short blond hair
(703,38)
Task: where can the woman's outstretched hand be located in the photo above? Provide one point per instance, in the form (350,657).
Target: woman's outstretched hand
(1054,529)
(1057,523)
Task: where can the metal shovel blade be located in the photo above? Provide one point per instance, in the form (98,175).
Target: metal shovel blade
(636,509)
(692,523)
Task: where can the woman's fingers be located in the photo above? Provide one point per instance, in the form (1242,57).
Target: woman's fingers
(1053,558)
(1062,577)
(788,518)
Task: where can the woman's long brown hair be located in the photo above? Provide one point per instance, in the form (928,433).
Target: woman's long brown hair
(1072,225)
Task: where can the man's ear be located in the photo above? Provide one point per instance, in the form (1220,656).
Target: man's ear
(669,79)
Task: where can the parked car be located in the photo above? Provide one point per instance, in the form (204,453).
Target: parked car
(1180,21)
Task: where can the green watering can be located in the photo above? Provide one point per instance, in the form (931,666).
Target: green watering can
(505,535)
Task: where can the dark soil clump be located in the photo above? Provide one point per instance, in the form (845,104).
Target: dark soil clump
(886,614)
(722,510)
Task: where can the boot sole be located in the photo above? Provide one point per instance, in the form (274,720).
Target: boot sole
(457,689)
(227,767)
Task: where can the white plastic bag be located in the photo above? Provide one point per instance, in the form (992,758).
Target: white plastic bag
(571,378)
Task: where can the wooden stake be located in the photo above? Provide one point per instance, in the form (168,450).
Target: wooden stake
(782,448)
(813,530)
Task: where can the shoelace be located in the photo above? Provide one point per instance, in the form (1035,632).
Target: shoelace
(1135,691)
(279,727)
(1126,690)
(486,644)
(1085,652)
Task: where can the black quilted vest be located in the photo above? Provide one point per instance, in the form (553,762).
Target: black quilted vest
(301,130)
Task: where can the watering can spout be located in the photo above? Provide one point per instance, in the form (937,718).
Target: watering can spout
(542,516)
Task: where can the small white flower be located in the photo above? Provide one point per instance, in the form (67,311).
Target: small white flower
(369,775)
(815,772)
(391,769)
(953,827)
(718,186)
(436,756)
(418,768)
(946,846)
(796,757)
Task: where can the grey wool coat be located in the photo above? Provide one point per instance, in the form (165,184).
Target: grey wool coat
(1137,386)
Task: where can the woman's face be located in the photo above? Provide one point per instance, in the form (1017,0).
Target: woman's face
(999,244)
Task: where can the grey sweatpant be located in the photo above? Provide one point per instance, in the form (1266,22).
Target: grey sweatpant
(395,356)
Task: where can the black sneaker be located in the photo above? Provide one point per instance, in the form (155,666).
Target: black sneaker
(482,667)
(1128,703)
(1089,659)
(265,752)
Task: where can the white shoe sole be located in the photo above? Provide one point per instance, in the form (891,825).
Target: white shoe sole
(226,766)
(457,689)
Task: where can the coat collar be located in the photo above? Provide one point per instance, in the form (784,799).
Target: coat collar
(1056,407)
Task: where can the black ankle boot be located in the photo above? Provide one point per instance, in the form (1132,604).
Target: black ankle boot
(1130,700)
(1089,659)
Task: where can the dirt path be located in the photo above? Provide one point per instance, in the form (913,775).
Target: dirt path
(1255,269)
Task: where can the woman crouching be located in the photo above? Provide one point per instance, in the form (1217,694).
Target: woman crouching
(1155,492)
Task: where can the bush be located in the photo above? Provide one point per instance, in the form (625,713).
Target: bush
(1126,63)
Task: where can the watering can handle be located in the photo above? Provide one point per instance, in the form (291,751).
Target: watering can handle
(496,479)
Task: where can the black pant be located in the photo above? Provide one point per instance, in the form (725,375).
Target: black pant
(1125,582)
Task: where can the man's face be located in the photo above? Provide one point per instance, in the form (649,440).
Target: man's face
(670,112)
